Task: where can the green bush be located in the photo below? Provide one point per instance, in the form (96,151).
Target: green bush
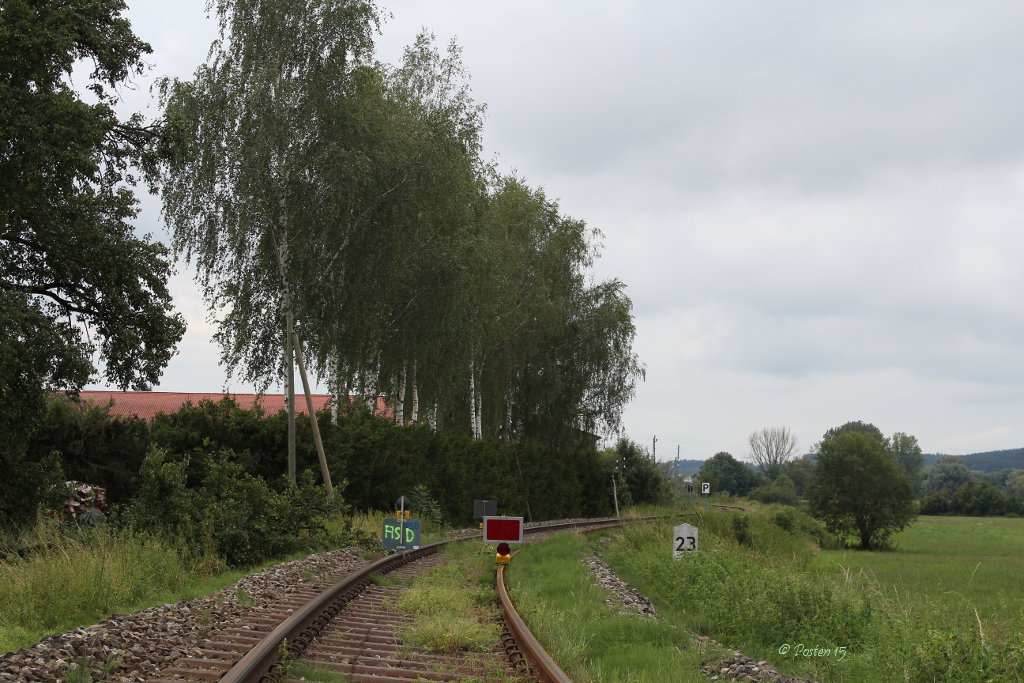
(373,460)
(425,507)
(785,518)
(782,491)
(232,513)
(741,528)
(94,446)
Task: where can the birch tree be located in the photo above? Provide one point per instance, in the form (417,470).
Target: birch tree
(426,171)
(245,192)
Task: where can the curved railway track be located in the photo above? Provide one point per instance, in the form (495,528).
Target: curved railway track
(347,628)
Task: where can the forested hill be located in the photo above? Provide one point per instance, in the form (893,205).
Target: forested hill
(989,461)
(685,467)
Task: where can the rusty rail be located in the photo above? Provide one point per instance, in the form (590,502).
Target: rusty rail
(294,635)
(296,632)
(544,668)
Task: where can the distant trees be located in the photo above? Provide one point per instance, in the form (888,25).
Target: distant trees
(975,498)
(726,473)
(771,448)
(859,490)
(640,482)
(857,426)
(1015,485)
(952,489)
(800,471)
(907,452)
(782,491)
(946,476)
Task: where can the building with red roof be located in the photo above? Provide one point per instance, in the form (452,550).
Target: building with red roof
(146,404)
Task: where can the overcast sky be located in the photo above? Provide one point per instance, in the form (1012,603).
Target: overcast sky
(816,207)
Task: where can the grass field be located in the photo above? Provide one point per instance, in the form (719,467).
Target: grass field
(848,616)
(946,567)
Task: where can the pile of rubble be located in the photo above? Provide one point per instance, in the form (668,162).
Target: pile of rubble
(624,599)
(742,668)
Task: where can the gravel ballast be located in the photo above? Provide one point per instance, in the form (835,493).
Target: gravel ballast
(131,648)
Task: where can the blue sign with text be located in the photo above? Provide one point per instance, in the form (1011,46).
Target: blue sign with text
(395,529)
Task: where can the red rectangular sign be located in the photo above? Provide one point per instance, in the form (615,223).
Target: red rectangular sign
(507,529)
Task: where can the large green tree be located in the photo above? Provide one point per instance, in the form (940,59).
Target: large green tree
(859,490)
(726,473)
(638,479)
(550,353)
(74,278)
(350,195)
(905,449)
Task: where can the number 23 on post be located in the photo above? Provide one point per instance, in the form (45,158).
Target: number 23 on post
(684,541)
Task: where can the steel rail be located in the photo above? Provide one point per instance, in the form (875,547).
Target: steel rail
(543,667)
(295,633)
(292,636)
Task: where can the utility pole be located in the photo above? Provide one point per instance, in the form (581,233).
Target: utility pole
(615,493)
(654,450)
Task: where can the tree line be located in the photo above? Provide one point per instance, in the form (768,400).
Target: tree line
(339,213)
(317,189)
(857,482)
(864,485)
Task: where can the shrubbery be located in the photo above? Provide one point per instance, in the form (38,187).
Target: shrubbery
(378,460)
(232,513)
(782,491)
(973,499)
(211,474)
(741,528)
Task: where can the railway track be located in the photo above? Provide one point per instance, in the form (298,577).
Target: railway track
(349,628)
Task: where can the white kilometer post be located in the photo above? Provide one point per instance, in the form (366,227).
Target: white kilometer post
(684,541)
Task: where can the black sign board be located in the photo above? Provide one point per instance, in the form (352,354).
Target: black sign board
(485,508)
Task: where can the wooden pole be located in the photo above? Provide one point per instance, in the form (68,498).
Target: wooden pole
(615,493)
(312,417)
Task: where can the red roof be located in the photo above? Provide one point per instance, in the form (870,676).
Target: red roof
(146,404)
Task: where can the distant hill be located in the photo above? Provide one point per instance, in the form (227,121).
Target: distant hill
(989,461)
(685,466)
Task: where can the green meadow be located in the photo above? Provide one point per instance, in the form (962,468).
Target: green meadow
(945,604)
(953,571)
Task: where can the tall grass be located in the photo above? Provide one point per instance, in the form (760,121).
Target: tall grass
(452,604)
(371,523)
(53,579)
(555,593)
(761,597)
(67,579)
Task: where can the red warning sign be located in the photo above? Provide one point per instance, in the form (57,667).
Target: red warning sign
(503,529)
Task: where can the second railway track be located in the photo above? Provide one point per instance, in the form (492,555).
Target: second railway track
(350,628)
